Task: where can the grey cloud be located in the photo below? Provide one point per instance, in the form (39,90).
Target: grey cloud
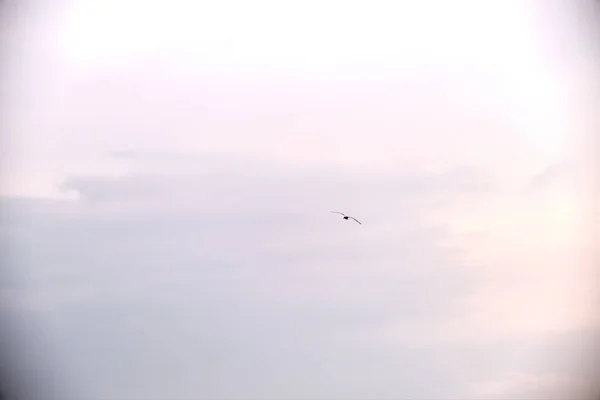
(549,175)
(249,330)
(551,366)
(241,283)
(229,180)
(157,299)
(157,285)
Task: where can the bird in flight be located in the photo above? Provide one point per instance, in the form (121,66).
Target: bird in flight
(346,217)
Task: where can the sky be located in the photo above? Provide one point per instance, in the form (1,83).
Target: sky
(169,171)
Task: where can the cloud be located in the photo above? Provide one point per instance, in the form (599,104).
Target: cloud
(227,217)
(239,273)
(548,175)
(229,180)
(531,386)
(221,271)
(229,277)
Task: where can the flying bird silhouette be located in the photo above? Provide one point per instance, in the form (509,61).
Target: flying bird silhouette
(346,217)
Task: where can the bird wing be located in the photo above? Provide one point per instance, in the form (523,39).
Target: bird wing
(337,212)
(356,220)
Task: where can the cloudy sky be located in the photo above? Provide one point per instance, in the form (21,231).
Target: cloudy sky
(170,168)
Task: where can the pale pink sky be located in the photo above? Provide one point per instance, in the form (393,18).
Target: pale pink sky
(429,120)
